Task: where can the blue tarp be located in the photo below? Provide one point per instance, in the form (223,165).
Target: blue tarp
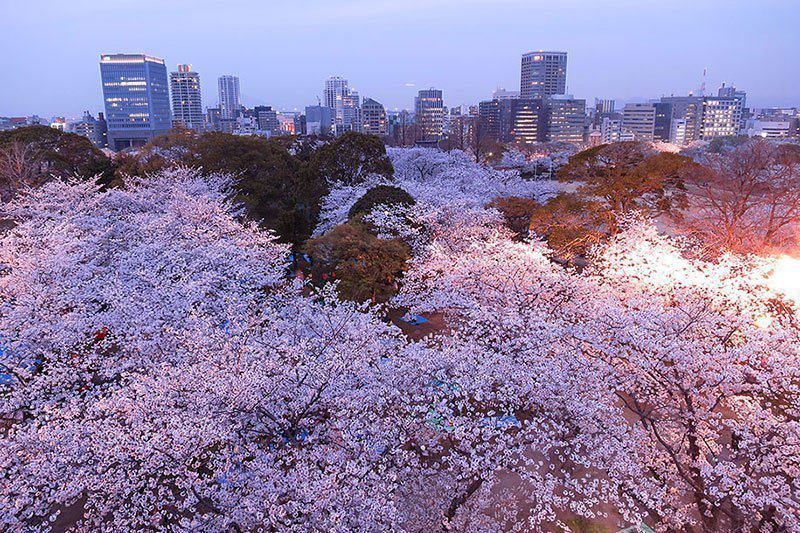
(414,320)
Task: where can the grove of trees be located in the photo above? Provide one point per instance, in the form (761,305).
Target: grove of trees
(164,367)
(32,155)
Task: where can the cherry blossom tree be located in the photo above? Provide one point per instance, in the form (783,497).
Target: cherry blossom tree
(134,264)
(747,198)
(563,443)
(696,390)
(435,179)
(277,422)
(166,375)
(713,386)
(165,372)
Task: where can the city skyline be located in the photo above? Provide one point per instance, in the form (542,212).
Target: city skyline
(137,105)
(393,69)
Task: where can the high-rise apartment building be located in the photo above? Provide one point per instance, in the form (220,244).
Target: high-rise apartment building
(187,103)
(335,89)
(334,93)
(346,104)
(543,74)
(230,100)
(136,98)
(429,114)
(373,116)
(351,112)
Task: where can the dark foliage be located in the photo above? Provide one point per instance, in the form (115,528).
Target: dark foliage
(380,195)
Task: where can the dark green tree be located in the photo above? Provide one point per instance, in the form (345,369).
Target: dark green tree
(381,195)
(350,158)
(280,182)
(271,183)
(54,153)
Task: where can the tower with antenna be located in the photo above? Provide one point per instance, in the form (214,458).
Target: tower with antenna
(702,91)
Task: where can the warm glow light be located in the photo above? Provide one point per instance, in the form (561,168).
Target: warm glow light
(763,321)
(785,279)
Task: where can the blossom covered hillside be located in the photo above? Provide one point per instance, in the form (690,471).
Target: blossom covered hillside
(434,178)
(166,369)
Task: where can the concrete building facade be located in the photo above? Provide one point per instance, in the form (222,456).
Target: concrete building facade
(564,119)
(373,116)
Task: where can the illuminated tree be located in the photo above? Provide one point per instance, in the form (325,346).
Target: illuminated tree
(160,370)
(629,177)
(748,199)
(693,365)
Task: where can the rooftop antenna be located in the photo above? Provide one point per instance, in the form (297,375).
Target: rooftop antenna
(703,85)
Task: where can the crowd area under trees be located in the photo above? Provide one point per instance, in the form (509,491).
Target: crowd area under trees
(201,336)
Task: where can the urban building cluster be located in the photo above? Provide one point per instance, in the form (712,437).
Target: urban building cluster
(143,100)
(543,112)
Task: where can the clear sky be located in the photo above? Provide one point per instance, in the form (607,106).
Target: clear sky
(283,49)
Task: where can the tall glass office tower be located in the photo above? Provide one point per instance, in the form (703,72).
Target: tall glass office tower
(136,95)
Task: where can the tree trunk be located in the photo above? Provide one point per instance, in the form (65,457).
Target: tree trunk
(458,501)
